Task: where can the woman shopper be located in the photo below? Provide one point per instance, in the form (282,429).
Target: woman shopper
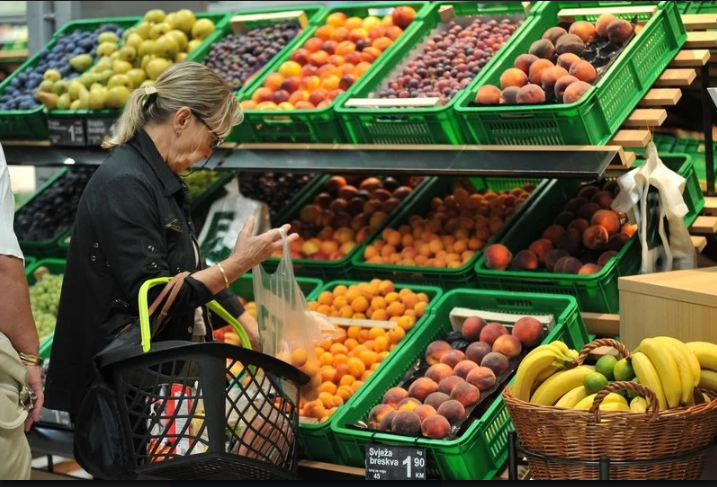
(133,224)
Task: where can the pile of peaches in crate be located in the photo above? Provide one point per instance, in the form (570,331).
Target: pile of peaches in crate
(562,66)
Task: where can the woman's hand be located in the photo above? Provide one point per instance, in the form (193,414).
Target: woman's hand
(251,251)
(34,379)
(251,327)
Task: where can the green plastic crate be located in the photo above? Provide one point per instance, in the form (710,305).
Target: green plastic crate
(244,286)
(597,292)
(697,7)
(317,441)
(482,449)
(433,125)
(318,125)
(599,114)
(55,266)
(331,269)
(421,205)
(29,261)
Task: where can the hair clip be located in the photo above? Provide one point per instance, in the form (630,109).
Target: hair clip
(150,90)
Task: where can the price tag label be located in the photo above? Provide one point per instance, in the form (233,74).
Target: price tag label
(67,131)
(98,129)
(385,462)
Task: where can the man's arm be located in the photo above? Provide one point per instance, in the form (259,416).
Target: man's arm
(16,323)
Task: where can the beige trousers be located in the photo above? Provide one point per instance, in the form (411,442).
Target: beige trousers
(15,456)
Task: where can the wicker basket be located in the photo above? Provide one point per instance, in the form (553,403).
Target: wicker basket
(589,436)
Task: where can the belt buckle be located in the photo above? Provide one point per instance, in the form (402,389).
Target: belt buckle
(27,398)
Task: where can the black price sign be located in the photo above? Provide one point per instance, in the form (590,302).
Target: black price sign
(98,129)
(66,131)
(384,462)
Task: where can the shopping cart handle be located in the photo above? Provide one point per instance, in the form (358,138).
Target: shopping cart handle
(144,328)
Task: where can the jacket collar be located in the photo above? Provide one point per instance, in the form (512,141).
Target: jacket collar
(143,143)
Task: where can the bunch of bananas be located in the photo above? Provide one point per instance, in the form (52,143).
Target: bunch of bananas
(706,354)
(539,370)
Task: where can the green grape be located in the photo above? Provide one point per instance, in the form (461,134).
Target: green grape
(44,301)
(199,181)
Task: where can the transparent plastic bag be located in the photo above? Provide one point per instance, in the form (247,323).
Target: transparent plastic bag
(287,329)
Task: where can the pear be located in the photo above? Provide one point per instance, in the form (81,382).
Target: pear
(98,98)
(169,19)
(183,20)
(117,97)
(146,60)
(63,101)
(59,87)
(46,86)
(120,67)
(143,30)
(75,88)
(156,67)
(147,47)
(180,38)
(158,30)
(202,28)
(84,100)
(103,64)
(97,86)
(52,75)
(156,15)
(107,37)
(126,34)
(134,40)
(128,53)
(120,80)
(47,99)
(181,56)
(75,105)
(106,49)
(193,44)
(137,76)
(81,62)
(88,79)
(166,47)
(106,75)
(115,56)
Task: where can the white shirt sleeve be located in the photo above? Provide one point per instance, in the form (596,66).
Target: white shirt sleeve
(8,241)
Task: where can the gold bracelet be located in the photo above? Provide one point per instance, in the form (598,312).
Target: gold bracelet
(30,360)
(224,274)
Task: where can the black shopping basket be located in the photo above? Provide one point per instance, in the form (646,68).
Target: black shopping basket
(205,410)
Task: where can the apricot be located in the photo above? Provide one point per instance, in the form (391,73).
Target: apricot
(463,368)
(588,269)
(608,220)
(528,331)
(509,96)
(525,260)
(584,71)
(602,24)
(619,31)
(488,95)
(575,91)
(562,84)
(567,265)
(467,394)
(629,229)
(394,396)
(536,70)
(471,328)
(482,377)
(453,410)
(452,358)
(588,211)
(528,95)
(387,420)
(408,404)
(513,77)
(617,242)
(421,388)
(496,362)
(438,372)
(605,257)
(553,257)
(437,398)
(436,427)
(586,31)
(477,350)
(550,76)
(570,43)
(567,59)
(542,48)
(554,33)
(574,204)
(524,61)
(377,414)
(553,233)
(447,385)
(498,257)
(425,411)
(540,248)
(406,423)
(570,241)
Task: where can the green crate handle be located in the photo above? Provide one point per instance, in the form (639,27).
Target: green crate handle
(212,305)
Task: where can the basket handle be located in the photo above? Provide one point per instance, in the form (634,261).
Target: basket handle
(652,406)
(604,342)
(144,313)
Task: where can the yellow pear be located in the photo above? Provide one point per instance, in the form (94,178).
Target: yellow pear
(156,67)
(193,44)
(166,47)
(183,20)
(117,97)
(158,30)
(143,30)
(120,80)
(156,15)
(52,75)
(180,37)
(63,102)
(202,28)
(134,40)
(181,56)
(98,98)
(137,76)
(106,49)
(75,88)
(107,37)
(147,47)
(128,53)
(75,105)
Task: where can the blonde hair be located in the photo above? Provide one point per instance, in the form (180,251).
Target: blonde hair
(185,84)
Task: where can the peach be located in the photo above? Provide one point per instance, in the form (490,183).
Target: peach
(436,427)
(425,411)
(629,229)
(528,331)
(540,248)
(553,233)
(550,76)
(602,24)
(588,191)
(394,396)
(567,265)
(586,31)
(385,424)
(575,91)
(483,378)
(408,404)
(452,358)
(446,386)
(488,95)
(471,328)
(509,96)
(525,260)
(588,269)
(617,242)
(530,94)
(438,372)
(542,48)
(513,77)
(508,345)
(497,362)
(603,199)
(477,350)
(570,241)
(619,31)
(587,211)
(377,414)
(570,43)
(524,61)
(406,423)
(562,84)
(608,220)
(498,257)
(536,70)
(403,16)
(564,219)
(605,257)
(567,59)
(467,394)
(453,410)
(463,368)
(491,332)
(553,257)
(574,204)
(421,388)
(584,71)
(554,33)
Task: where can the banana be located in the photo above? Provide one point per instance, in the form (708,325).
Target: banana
(547,372)
(587,403)
(529,369)
(573,397)
(683,367)
(647,375)
(558,385)
(706,354)
(666,368)
(573,354)
(689,355)
(708,380)
(638,405)
(560,346)
(614,406)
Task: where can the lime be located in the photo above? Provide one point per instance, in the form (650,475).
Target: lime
(623,370)
(594,382)
(606,366)
(633,395)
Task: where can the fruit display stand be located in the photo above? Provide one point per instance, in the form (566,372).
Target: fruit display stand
(404,123)
(447,278)
(318,125)
(598,115)
(597,292)
(479,451)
